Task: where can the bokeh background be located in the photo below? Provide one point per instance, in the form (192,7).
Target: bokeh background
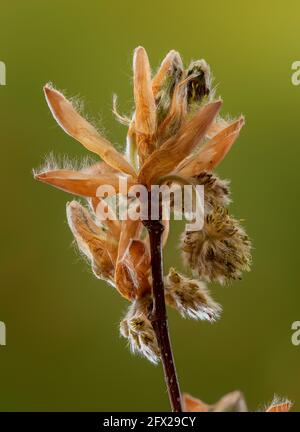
(63,348)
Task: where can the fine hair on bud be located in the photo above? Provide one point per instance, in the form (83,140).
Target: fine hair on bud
(138,330)
(53,162)
(199,87)
(216,191)
(190,297)
(221,251)
(278,404)
(91,240)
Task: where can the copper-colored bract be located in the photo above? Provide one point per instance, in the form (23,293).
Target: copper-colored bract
(80,129)
(145,112)
(212,153)
(165,68)
(233,402)
(189,136)
(78,183)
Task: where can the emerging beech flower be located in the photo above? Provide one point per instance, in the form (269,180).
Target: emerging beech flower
(231,402)
(190,297)
(220,251)
(137,328)
(217,192)
(175,135)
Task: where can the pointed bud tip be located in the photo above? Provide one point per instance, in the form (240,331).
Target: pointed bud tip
(45,176)
(39,176)
(218,102)
(213,106)
(48,88)
(52,95)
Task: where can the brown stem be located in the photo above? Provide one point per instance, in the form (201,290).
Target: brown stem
(158,315)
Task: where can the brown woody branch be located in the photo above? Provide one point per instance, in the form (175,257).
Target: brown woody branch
(158,315)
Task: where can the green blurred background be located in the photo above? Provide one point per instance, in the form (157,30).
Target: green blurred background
(63,348)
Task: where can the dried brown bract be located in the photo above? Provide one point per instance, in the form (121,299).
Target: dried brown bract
(231,402)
